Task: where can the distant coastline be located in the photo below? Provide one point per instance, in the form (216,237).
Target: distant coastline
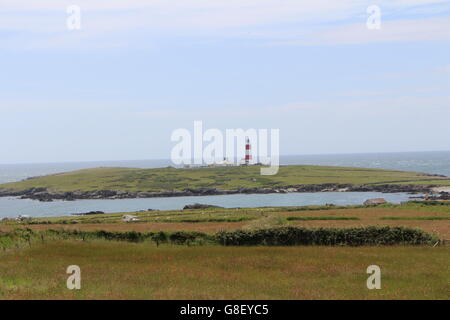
(44,195)
(131,183)
(432,162)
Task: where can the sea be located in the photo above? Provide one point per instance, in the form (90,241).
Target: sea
(428,162)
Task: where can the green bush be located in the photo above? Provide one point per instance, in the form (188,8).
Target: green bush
(291,236)
(186,237)
(159,237)
(280,236)
(131,236)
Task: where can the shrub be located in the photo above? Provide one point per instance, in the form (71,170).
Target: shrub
(131,236)
(280,236)
(291,236)
(186,237)
(159,237)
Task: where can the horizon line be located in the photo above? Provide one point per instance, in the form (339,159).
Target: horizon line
(168,159)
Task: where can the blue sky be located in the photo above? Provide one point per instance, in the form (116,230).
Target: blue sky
(137,70)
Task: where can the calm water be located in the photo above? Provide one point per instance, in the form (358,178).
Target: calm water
(12,207)
(429,162)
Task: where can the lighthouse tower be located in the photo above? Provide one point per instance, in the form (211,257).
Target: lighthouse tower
(248,151)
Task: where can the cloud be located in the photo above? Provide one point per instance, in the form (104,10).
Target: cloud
(364,104)
(434,29)
(176,15)
(41,24)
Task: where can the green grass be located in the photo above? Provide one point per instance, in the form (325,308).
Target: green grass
(225,178)
(120,270)
(34,267)
(427,206)
(240,214)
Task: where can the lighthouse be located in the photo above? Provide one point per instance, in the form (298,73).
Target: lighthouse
(248,151)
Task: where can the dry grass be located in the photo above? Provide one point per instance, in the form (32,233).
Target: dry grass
(112,270)
(117,270)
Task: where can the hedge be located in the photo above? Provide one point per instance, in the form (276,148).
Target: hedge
(292,236)
(281,236)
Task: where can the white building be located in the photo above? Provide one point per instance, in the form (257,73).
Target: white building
(129,218)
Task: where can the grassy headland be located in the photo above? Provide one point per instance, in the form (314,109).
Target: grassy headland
(220,178)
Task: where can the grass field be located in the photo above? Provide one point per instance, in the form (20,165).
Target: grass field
(224,178)
(432,217)
(112,270)
(123,270)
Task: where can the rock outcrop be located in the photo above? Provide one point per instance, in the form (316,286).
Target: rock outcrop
(42,194)
(376,201)
(199,206)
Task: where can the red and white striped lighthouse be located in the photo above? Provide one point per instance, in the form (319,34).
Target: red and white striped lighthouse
(248,151)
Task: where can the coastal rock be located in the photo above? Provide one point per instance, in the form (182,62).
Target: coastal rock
(376,201)
(199,206)
(42,194)
(144,195)
(444,196)
(439,196)
(88,213)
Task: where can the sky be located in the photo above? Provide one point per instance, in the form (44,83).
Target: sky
(137,70)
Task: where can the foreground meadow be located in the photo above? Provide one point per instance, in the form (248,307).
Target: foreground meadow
(120,270)
(36,252)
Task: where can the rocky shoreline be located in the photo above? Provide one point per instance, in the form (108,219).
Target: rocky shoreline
(45,195)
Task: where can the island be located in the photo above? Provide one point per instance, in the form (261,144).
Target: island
(122,183)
